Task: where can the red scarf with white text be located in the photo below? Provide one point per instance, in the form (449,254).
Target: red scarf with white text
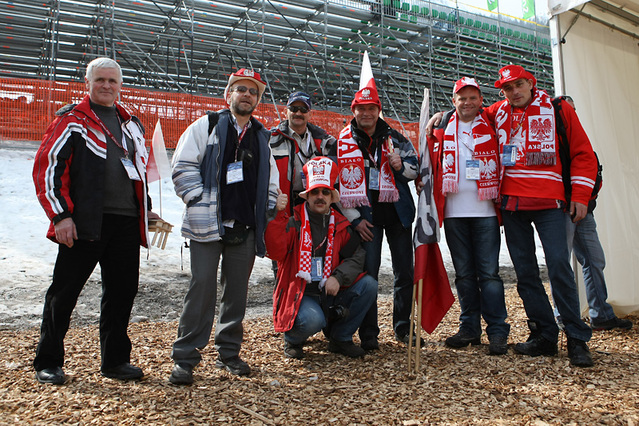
(306,248)
(485,150)
(352,179)
(537,124)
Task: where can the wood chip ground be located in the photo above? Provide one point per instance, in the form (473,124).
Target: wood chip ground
(464,386)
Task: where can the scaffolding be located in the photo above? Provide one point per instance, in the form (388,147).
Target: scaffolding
(191,46)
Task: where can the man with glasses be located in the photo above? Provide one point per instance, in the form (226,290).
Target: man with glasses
(294,142)
(321,280)
(224,172)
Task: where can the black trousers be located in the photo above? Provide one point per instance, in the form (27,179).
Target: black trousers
(118,253)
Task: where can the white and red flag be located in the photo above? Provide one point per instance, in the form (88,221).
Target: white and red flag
(158,166)
(437,297)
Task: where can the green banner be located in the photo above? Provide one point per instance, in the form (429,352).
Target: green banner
(493,4)
(528,8)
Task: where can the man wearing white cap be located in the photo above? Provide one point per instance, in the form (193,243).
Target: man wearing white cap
(465,160)
(321,283)
(224,172)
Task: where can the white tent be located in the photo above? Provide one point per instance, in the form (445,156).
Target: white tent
(596,61)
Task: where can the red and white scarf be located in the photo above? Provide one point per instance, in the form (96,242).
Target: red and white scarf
(306,248)
(485,150)
(537,123)
(352,175)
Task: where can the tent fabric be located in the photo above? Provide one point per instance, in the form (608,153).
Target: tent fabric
(600,69)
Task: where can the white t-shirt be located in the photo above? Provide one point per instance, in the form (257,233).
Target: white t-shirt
(466,203)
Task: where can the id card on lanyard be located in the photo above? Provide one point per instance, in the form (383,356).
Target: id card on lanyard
(235,170)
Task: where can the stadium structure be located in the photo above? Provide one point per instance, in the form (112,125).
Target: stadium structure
(191,46)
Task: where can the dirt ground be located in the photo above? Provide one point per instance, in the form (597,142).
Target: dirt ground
(465,386)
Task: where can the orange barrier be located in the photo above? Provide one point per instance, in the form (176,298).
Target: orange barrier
(28,106)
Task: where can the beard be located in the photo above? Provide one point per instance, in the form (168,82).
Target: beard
(241,108)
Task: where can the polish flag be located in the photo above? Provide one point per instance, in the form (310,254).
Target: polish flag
(158,166)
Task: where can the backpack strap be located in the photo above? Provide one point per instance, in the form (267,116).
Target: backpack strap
(564,148)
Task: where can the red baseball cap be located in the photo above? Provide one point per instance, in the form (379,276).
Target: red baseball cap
(367,95)
(246,74)
(463,82)
(512,73)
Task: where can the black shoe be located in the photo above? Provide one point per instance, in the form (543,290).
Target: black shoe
(623,324)
(182,374)
(579,353)
(348,348)
(536,347)
(370,344)
(124,371)
(404,337)
(294,351)
(462,339)
(52,375)
(498,345)
(234,365)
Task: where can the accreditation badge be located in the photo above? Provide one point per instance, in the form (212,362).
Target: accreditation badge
(130,169)
(373,179)
(234,172)
(317,268)
(509,155)
(472,169)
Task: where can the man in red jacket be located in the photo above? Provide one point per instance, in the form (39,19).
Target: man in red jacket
(321,282)
(532,192)
(90,178)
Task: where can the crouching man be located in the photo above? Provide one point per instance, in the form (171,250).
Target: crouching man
(321,282)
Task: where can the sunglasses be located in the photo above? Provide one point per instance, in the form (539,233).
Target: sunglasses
(325,191)
(243,89)
(296,108)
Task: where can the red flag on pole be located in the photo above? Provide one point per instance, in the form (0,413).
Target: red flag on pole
(158,166)
(437,296)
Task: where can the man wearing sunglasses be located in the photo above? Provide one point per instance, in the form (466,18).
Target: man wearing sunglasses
(321,280)
(294,142)
(224,172)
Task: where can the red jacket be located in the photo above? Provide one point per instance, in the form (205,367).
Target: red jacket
(283,245)
(68,170)
(545,181)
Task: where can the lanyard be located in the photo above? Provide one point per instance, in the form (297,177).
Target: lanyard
(515,128)
(240,137)
(109,134)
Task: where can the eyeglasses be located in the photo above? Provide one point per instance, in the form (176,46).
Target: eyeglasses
(295,108)
(325,191)
(243,89)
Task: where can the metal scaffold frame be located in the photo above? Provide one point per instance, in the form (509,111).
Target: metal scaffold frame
(191,46)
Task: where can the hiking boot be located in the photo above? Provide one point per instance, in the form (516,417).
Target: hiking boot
(294,351)
(498,345)
(182,374)
(579,353)
(348,348)
(234,365)
(404,337)
(370,344)
(461,339)
(623,324)
(536,347)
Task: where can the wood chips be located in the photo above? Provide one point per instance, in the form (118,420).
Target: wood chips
(464,386)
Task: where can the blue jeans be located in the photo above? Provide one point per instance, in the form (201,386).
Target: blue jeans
(400,242)
(551,228)
(310,318)
(583,239)
(474,247)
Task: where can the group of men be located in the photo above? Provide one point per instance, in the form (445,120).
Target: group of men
(502,164)
(249,191)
